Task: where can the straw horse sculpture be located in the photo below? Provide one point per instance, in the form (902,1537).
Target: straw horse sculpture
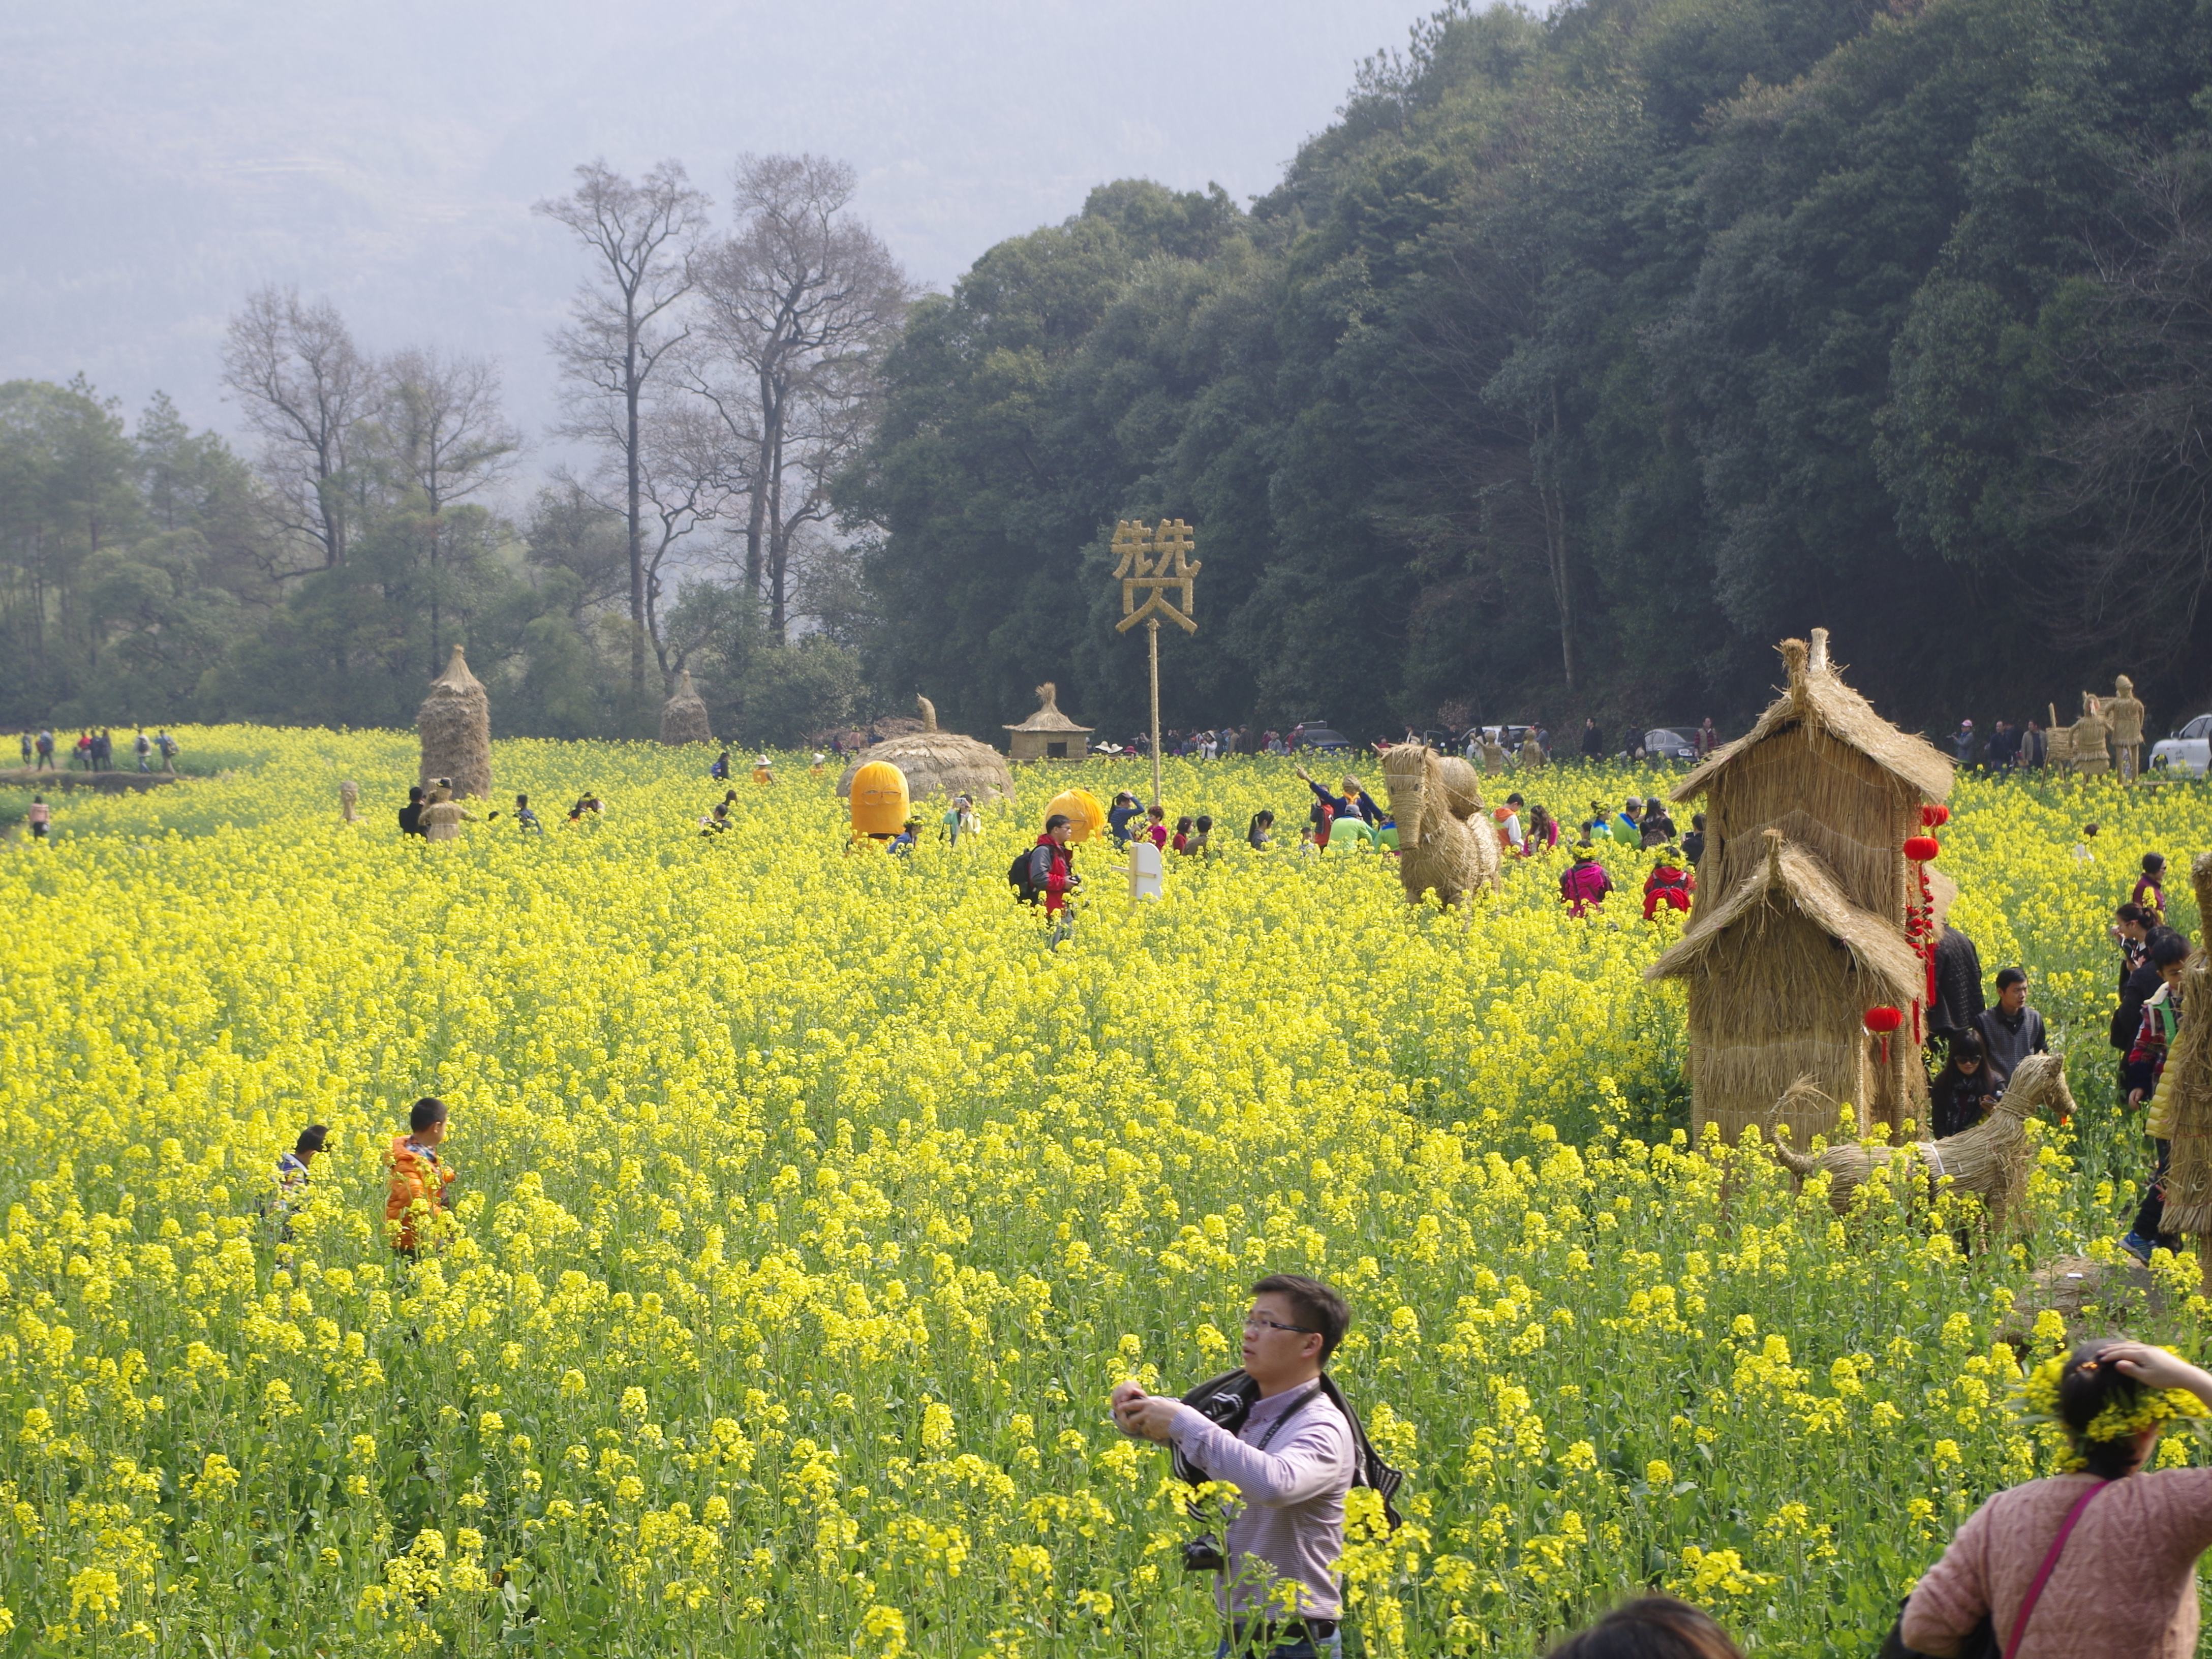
(1990,1160)
(1439,849)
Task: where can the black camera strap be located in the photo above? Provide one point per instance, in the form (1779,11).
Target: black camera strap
(1267,1435)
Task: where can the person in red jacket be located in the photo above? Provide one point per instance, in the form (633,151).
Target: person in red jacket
(1668,883)
(1051,873)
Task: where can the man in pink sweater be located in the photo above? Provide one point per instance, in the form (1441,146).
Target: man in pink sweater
(2124,1584)
(1291,1460)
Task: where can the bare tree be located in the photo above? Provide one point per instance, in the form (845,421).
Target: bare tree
(304,389)
(623,322)
(683,484)
(448,439)
(800,303)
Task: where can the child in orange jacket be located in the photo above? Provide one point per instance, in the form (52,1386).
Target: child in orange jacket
(419,1179)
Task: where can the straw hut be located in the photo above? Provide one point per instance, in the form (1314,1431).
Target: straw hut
(1801,924)
(455,724)
(683,716)
(1048,734)
(937,762)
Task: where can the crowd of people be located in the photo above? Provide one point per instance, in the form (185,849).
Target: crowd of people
(95,750)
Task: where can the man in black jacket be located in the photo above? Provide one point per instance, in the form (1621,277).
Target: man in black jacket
(2011,1031)
(1957,985)
(2167,948)
(410,815)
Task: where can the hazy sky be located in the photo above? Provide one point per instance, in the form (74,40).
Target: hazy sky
(158,161)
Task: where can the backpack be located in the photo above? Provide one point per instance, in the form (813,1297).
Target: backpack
(1018,874)
(1227,1401)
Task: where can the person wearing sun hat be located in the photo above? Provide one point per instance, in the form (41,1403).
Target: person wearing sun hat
(2102,1557)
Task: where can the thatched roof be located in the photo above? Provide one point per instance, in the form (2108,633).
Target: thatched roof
(1816,695)
(1791,876)
(939,763)
(1048,717)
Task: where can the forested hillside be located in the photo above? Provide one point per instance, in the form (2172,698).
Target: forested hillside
(1579,360)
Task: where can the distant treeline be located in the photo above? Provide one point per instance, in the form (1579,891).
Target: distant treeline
(1581,360)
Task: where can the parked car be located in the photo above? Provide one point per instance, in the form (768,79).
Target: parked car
(2188,752)
(1665,743)
(1321,737)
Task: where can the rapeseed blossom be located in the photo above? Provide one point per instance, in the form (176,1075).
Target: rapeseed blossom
(809,1204)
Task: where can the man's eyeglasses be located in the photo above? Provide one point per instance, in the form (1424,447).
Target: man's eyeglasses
(1259,1321)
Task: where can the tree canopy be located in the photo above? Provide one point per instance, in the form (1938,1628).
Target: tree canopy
(1579,360)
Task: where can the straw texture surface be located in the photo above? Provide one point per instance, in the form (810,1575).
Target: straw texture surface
(683,716)
(455,725)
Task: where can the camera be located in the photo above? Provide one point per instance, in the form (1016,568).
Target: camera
(1203,1554)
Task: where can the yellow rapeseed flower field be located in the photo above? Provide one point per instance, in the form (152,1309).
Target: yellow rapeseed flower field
(809,1204)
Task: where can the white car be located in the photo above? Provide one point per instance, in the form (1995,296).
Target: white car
(2188,752)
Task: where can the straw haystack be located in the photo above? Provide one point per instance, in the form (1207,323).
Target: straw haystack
(2183,1103)
(683,716)
(1990,1160)
(455,724)
(1462,785)
(1439,849)
(937,762)
(1799,926)
(1048,734)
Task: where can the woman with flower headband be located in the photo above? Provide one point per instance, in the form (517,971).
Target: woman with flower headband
(2098,1559)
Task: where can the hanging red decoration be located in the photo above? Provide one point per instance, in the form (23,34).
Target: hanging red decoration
(1934,817)
(1920,849)
(1880,1023)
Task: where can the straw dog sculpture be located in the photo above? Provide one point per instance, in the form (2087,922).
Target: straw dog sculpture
(1439,851)
(1990,1160)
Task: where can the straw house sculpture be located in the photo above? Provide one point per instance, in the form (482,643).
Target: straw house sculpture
(2183,1103)
(1444,844)
(1799,927)
(683,716)
(937,762)
(1048,734)
(455,725)
(1990,1160)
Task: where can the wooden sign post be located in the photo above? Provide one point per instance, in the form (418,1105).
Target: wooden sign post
(1157,560)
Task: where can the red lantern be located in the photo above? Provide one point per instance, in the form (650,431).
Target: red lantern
(1934,817)
(1880,1023)
(1920,849)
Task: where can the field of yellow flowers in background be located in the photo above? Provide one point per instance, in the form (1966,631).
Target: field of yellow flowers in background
(810,1204)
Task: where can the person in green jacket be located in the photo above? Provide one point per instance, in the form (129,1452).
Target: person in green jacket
(1628,828)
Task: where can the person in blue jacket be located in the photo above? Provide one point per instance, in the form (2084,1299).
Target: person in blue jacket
(1354,801)
(1125,808)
